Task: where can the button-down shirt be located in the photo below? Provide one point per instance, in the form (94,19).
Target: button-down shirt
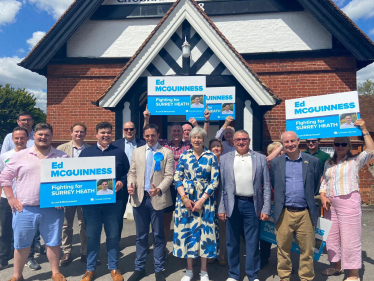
(102,148)
(77,151)
(322,156)
(343,178)
(243,174)
(106,192)
(295,194)
(148,165)
(177,150)
(8,143)
(4,159)
(26,165)
(129,148)
(347,126)
(226,146)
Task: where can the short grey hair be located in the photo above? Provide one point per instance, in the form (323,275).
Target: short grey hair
(198,131)
(289,132)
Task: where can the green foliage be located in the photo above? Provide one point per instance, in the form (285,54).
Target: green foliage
(231,106)
(12,102)
(110,184)
(366,88)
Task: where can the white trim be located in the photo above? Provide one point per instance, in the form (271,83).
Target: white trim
(186,10)
(248,120)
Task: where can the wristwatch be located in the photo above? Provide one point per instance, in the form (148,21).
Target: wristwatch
(366,134)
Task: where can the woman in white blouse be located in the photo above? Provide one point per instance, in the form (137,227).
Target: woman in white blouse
(341,198)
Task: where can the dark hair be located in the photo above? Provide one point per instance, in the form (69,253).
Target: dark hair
(103,125)
(176,124)
(43,126)
(24,113)
(18,128)
(217,140)
(150,126)
(78,124)
(104,181)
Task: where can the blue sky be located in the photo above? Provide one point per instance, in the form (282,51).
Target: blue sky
(24,22)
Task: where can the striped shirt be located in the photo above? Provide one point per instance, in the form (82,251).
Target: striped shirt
(177,150)
(343,178)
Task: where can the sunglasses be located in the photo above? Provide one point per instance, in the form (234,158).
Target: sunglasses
(337,144)
(311,141)
(243,140)
(129,129)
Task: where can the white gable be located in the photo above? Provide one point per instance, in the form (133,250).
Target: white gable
(251,33)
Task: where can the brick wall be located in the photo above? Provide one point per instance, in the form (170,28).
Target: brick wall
(71,89)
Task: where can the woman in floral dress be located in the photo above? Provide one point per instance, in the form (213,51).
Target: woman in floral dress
(195,225)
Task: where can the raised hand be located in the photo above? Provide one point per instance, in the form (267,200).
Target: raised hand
(207,114)
(193,122)
(146,113)
(228,120)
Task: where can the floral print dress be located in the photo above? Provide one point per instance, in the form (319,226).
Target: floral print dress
(196,233)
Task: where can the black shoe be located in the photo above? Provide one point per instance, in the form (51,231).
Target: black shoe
(39,249)
(84,258)
(160,276)
(264,263)
(3,265)
(33,264)
(137,275)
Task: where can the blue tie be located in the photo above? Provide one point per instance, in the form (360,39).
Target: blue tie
(148,169)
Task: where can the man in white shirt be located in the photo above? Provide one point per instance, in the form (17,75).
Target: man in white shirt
(246,201)
(197,103)
(74,148)
(227,110)
(348,123)
(105,190)
(24,120)
(20,136)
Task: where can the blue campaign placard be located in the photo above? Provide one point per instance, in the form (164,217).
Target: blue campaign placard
(176,95)
(77,181)
(63,194)
(217,113)
(324,116)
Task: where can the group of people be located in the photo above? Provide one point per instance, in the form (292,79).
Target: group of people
(218,195)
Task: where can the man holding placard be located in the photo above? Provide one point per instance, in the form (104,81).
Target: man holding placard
(28,217)
(108,214)
(151,173)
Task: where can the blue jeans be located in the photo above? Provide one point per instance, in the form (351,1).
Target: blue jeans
(94,217)
(243,217)
(143,215)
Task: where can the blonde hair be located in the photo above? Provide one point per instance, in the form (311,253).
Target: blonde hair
(272,146)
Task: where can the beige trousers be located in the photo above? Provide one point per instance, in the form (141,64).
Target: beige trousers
(67,230)
(300,225)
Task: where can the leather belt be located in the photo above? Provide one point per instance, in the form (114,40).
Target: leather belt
(296,209)
(244,198)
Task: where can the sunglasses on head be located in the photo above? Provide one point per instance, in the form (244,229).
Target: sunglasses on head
(129,129)
(343,144)
(311,141)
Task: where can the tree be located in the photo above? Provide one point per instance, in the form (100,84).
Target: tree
(366,88)
(12,102)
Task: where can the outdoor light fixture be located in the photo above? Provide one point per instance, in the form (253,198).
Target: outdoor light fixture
(186,49)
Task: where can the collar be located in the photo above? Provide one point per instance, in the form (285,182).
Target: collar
(245,155)
(133,142)
(81,148)
(317,151)
(32,151)
(298,159)
(102,148)
(154,148)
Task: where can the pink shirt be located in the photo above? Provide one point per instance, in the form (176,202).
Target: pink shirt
(25,166)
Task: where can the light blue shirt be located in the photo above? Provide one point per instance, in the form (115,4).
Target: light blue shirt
(129,148)
(8,143)
(150,152)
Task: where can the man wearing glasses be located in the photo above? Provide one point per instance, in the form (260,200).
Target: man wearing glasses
(246,199)
(313,149)
(128,143)
(26,121)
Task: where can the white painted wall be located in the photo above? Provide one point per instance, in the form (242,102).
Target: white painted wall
(248,120)
(273,32)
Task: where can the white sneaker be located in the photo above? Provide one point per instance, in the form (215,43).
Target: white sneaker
(231,279)
(187,276)
(204,276)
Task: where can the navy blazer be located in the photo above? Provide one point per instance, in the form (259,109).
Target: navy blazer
(311,178)
(121,143)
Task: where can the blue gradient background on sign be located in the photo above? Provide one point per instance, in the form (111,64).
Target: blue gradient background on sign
(47,200)
(173,109)
(216,113)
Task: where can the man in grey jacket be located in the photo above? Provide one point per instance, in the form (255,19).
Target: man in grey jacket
(246,199)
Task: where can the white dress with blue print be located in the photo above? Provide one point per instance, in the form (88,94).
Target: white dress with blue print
(196,233)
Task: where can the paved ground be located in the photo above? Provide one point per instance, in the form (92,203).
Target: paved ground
(174,266)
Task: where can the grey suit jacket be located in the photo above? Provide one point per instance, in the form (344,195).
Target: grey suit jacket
(261,184)
(311,177)
(68,148)
(161,179)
